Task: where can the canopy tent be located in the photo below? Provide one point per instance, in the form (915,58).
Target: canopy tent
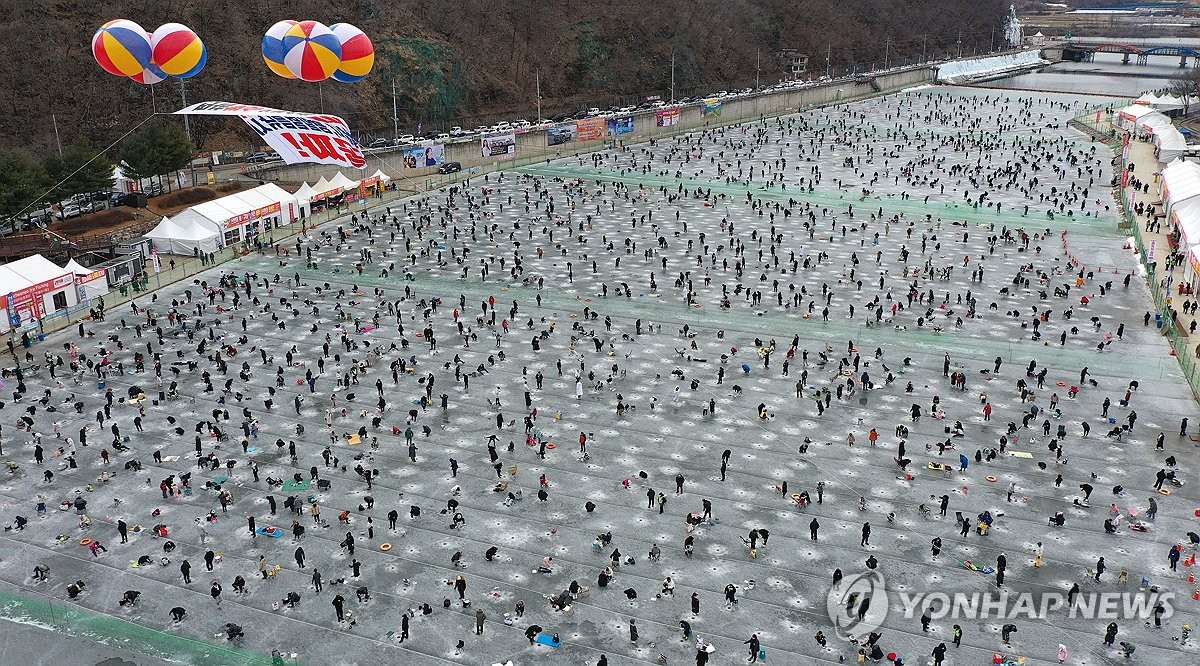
(290,207)
(188,232)
(305,194)
(232,218)
(36,269)
(323,188)
(90,283)
(1127,117)
(1170,144)
(383,177)
(1160,102)
(1151,123)
(1147,99)
(341,181)
(1179,182)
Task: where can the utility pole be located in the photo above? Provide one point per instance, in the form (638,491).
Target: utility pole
(537,82)
(395,112)
(187,128)
(887,50)
(992,45)
(960,44)
(56,139)
(828,54)
(924,43)
(672,77)
(757,70)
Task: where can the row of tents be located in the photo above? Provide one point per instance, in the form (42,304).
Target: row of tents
(1179,187)
(1145,123)
(238,217)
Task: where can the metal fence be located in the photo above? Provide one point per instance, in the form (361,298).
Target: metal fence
(1180,345)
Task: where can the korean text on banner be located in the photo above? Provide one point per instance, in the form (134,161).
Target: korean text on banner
(500,145)
(297,137)
(590,129)
(667,117)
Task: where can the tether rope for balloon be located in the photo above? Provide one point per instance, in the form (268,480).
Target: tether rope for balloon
(55,186)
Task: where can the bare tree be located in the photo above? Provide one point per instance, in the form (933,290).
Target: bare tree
(1186,86)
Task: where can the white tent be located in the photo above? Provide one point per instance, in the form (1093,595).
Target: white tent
(1127,117)
(1170,144)
(91,284)
(1179,182)
(1160,102)
(290,206)
(1186,217)
(304,194)
(1151,123)
(37,287)
(323,188)
(383,177)
(185,234)
(341,181)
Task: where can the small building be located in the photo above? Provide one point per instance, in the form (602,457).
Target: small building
(792,63)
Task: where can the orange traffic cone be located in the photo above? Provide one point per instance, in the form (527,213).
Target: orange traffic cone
(1196,595)
(1191,578)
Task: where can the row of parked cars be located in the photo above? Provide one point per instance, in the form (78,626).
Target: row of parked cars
(456,133)
(81,204)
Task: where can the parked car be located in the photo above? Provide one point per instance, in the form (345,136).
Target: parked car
(458,131)
(380,143)
(450,167)
(262,157)
(405,139)
(594,111)
(117,199)
(69,211)
(442,137)
(521,123)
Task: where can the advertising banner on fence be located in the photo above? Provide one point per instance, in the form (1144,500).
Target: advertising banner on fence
(619,126)
(668,117)
(712,107)
(297,137)
(590,129)
(500,145)
(560,134)
(419,157)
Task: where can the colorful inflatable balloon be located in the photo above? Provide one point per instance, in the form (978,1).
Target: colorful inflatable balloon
(358,54)
(150,75)
(178,51)
(311,51)
(273,49)
(122,47)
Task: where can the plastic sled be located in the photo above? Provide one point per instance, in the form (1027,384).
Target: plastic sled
(547,639)
(967,564)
